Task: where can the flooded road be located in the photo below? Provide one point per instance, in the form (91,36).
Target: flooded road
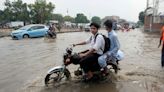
(24,64)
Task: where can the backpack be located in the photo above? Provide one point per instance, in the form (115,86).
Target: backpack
(107,42)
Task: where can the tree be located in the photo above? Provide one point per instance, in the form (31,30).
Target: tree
(96,19)
(7,3)
(141,16)
(58,17)
(16,10)
(69,18)
(139,23)
(7,15)
(1,17)
(40,11)
(81,18)
(19,10)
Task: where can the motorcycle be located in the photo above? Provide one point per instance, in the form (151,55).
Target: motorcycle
(56,74)
(50,35)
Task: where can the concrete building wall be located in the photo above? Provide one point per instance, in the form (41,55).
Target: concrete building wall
(151,25)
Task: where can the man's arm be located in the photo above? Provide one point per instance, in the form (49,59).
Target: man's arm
(81,43)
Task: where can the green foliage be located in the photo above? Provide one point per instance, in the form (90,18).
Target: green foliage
(81,18)
(40,11)
(16,10)
(57,17)
(96,19)
(141,17)
(139,23)
(69,18)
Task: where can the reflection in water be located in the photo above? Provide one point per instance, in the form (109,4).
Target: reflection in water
(24,64)
(77,87)
(83,87)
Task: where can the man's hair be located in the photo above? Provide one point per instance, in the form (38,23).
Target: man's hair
(108,23)
(95,25)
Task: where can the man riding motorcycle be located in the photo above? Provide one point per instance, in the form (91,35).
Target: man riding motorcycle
(51,31)
(90,57)
(111,54)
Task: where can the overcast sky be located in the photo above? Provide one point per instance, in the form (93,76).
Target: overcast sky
(127,9)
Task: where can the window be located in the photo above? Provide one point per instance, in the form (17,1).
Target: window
(40,27)
(37,27)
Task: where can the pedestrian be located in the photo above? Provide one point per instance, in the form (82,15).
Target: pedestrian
(162,42)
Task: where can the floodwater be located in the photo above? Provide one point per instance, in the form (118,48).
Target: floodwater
(24,64)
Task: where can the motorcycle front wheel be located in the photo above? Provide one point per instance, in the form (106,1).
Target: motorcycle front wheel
(55,77)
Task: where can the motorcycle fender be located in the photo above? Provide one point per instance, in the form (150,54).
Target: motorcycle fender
(57,68)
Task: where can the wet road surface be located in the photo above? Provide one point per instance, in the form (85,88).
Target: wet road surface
(24,63)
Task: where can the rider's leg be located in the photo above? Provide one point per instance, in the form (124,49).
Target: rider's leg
(103,64)
(102,61)
(54,33)
(49,33)
(89,75)
(107,58)
(87,62)
(84,62)
(111,58)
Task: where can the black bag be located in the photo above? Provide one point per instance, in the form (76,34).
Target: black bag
(107,42)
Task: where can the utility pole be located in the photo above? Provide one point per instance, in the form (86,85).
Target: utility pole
(147,4)
(156,6)
(150,18)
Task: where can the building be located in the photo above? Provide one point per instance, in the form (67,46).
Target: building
(154,16)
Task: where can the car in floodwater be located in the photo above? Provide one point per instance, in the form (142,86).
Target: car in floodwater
(29,31)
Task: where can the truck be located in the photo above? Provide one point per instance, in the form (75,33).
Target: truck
(87,27)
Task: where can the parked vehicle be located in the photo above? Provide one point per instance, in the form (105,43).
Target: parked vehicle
(34,30)
(87,28)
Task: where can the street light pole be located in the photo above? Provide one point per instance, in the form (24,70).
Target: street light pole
(150,18)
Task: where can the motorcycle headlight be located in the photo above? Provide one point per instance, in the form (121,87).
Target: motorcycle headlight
(69,50)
